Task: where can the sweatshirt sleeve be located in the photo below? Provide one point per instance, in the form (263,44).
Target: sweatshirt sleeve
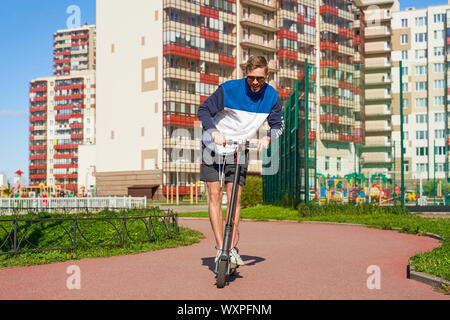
(208,109)
(276,121)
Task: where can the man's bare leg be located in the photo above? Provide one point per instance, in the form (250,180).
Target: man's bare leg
(215,211)
(237,202)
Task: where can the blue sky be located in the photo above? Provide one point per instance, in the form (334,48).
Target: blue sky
(26,30)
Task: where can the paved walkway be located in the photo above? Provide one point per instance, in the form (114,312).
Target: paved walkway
(283,261)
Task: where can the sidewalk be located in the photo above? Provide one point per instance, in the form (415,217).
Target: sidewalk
(284,261)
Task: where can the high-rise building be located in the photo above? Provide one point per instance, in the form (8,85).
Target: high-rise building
(420,42)
(62,112)
(62,117)
(74,50)
(377,151)
(156,68)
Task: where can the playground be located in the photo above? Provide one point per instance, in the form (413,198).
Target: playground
(355,188)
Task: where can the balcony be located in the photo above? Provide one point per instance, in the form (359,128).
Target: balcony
(377,32)
(38,176)
(377,94)
(259,22)
(38,147)
(378,110)
(377,141)
(38,98)
(378,126)
(378,78)
(259,43)
(266,5)
(69,97)
(38,157)
(65,166)
(378,63)
(38,118)
(38,109)
(66,176)
(378,47)
(65,146)
(376,157)
(38,167)
(38,89)
(65,156)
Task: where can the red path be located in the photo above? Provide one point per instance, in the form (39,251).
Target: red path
(283,261)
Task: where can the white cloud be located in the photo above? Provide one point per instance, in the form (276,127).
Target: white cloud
(13,114)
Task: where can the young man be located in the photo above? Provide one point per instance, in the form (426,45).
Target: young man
(235,111)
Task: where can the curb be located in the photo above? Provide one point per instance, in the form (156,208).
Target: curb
(425,278)
(410,272)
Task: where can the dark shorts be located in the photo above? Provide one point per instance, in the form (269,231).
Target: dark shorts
(213,164)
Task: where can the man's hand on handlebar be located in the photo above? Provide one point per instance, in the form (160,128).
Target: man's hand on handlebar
(219,138)
(263,143)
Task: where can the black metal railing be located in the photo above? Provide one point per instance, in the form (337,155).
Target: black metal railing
(25,235)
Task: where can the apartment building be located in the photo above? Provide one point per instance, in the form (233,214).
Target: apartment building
(377,153)
(62,114)
(62,117)
(74,50)
(172,55)
(420,42)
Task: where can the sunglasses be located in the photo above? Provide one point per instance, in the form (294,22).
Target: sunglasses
(252,78)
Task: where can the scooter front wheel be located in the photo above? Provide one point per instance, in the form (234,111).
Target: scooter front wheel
(221,273)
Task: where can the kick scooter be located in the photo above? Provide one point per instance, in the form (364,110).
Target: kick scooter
(223,266)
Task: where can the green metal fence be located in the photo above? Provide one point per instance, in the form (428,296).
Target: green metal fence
(289,184)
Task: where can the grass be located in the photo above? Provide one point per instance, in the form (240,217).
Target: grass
(435,262)
(53,234)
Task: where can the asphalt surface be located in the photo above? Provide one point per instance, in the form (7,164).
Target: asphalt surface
(284,261)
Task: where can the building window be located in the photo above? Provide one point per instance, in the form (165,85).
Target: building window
(421,86)
(439,84)
(438,51)
(421,37)
(404,23)
(439,101)
(421,167)
(404,54)
(338,164)
(438,67)
(421,53)
(405,71)
(439,117)
(421,21)
(422,151)
(421,102)
(421,70)
(405,103)
(439,17)
(421,118)
(404,39)
(327,163)
(439,133)
(421,135)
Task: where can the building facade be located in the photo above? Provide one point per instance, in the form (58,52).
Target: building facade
(377,153)
(420,43)
(62,112)
(170,61)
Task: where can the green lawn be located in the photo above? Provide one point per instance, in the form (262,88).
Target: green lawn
(58,234)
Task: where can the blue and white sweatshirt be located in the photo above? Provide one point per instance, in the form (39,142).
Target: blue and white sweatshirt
(237,113)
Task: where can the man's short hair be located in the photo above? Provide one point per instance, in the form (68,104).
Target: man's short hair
(255,62)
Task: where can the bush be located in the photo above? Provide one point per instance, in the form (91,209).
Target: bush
(252,192)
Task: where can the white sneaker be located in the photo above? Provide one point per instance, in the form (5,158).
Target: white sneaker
(235,258)
(219,253)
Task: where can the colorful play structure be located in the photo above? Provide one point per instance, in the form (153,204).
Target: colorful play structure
(355,188)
